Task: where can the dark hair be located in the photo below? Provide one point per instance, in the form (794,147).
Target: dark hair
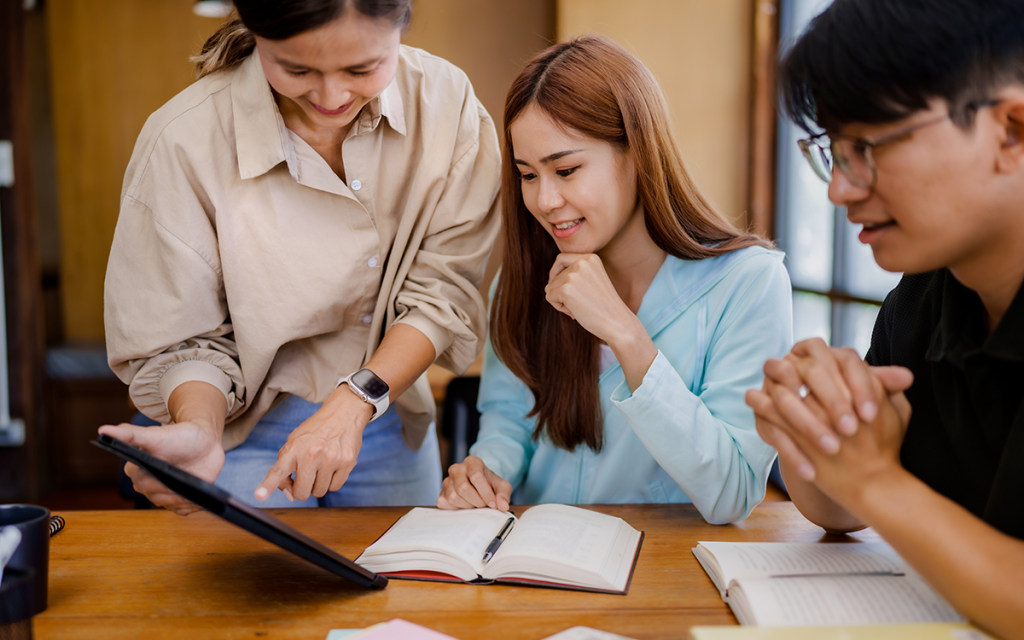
(595,87)
(280,20)
(878,61)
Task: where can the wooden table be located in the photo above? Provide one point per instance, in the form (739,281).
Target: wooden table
(152,574)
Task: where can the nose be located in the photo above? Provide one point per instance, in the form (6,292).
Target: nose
(841,191)
(548,196)
(334,92)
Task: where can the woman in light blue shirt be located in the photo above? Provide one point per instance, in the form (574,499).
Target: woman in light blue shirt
(629,316)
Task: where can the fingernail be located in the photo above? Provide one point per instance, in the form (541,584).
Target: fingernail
(492,505)
(806,472)
(868,411)
(288,494)
(829,443)
(848,424)
(261,494)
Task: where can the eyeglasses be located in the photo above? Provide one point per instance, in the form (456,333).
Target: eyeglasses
(854,156)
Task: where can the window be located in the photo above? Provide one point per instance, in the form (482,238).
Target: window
(837,286)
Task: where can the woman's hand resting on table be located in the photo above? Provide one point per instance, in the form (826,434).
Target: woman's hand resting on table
(471,485)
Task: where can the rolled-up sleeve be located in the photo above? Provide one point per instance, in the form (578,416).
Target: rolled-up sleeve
(440,294)
(164,303)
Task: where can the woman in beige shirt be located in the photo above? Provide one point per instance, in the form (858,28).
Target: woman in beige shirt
(319,202)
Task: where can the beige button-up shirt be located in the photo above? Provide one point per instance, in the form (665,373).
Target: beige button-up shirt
(241,259)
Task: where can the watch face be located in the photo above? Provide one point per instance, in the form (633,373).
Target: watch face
(370,384)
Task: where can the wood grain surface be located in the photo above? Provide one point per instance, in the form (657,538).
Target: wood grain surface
(152,574)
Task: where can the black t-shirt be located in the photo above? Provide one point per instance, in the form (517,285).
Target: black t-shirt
(966,434)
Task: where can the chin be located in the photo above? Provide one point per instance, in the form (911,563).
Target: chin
(901,262)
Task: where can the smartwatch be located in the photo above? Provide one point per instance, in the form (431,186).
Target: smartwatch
(370,389)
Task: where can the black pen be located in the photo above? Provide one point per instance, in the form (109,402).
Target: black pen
(493,547)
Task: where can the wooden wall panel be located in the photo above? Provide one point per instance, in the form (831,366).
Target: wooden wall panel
(489,40)
(700,52)
(112,64)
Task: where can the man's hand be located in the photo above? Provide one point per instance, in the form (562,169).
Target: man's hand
(471,485)
(193,446)
(870,456)
(841,384)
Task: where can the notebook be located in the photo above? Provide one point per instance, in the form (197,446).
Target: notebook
(223,504)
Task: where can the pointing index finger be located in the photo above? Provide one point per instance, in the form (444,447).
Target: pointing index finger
(279,477)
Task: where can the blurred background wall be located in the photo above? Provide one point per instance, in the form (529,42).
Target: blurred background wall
(111,64)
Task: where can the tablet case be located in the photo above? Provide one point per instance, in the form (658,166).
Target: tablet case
(223,504)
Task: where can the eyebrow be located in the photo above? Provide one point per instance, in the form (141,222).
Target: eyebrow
(552,157)
(295,65)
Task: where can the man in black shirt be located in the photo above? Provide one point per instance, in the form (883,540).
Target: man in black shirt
(921,108)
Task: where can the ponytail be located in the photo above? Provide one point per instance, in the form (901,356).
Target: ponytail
(228,46)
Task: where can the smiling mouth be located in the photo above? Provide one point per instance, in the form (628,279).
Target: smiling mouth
(568,225)
(332,112)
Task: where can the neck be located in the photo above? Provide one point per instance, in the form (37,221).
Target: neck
(996,277)
(318,137)
(631,265)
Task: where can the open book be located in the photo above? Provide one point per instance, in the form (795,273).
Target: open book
(551,545)
(783,584)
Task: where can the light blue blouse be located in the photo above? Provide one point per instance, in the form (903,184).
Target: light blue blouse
(685,435)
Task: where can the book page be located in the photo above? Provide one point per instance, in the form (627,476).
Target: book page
(565,534)
(425,533)
(838,600)
(567,544)
(761,559)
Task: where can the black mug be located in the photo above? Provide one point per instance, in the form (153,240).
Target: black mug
(33,553)
(15,604)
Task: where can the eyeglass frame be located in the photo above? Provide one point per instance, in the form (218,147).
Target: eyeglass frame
(807,146)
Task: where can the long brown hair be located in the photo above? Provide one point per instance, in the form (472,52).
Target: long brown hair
(595,87)
(235,39)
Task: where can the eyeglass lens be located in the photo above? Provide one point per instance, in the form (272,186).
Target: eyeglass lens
(819,158)
(854,160)
(849,156)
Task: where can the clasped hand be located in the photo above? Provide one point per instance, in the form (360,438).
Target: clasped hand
(847,426)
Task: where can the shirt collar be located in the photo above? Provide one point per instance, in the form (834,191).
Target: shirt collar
(261,138)
(388,104)
(960,332)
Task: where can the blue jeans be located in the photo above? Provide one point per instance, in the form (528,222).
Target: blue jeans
(387,472)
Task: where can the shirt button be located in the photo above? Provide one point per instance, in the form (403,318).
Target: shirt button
(367,319)
(372,262)
(356,185)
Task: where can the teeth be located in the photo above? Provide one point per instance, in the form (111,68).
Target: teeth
(568,225)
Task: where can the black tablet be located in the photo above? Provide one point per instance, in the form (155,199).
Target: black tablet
(225,505)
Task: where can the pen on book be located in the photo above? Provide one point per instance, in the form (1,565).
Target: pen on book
(493,546)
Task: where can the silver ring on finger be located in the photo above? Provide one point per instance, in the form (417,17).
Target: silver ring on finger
(803,391)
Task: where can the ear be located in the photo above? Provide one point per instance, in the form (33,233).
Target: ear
(1009,117)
